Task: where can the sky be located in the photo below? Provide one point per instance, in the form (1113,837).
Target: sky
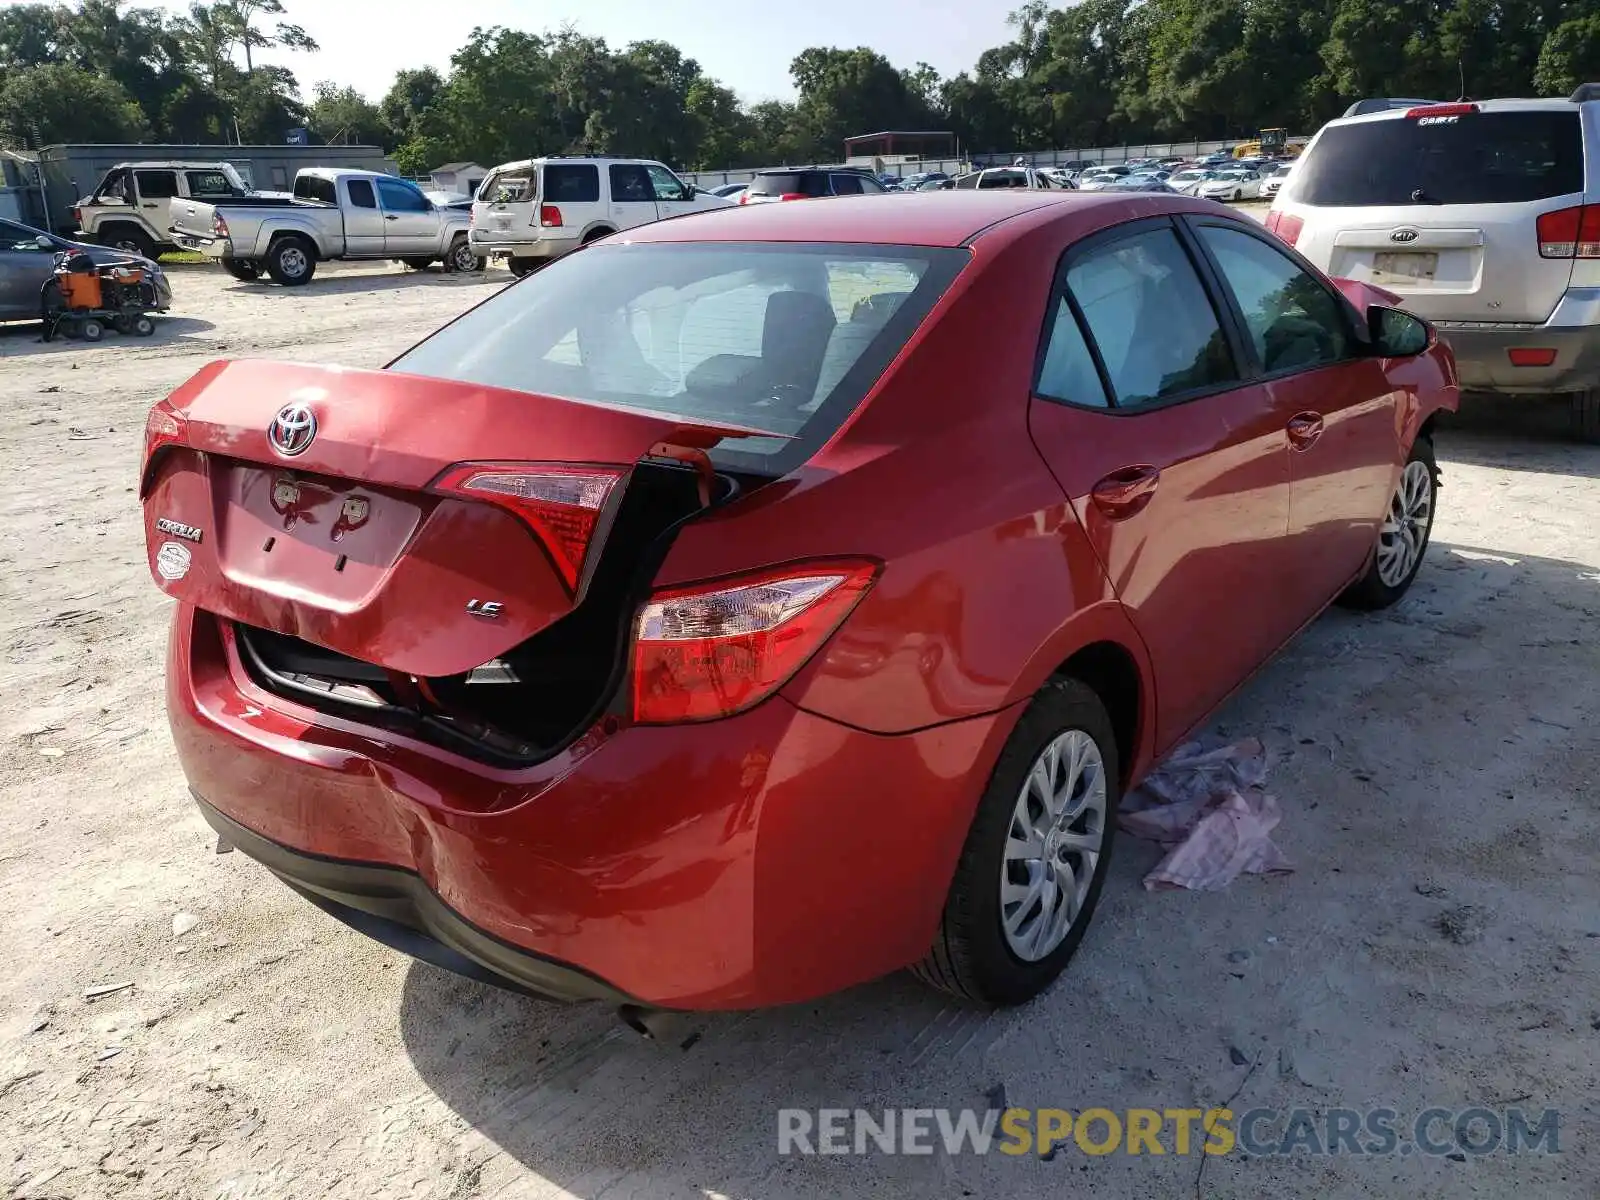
(747,44)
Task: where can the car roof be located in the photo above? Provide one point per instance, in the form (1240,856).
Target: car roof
(951,218)
(1550,104)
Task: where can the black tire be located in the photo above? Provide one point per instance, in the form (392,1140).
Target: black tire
(246,270)
(521,266)
(291,261)
(1586,416)
(594,235)
(90,329)
(460,256)
(143,326)
(131,239)
(418,264)
(1371,592)
(970,958)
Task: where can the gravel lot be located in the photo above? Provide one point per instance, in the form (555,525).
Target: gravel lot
(1437,756)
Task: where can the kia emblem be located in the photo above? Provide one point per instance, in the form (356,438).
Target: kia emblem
(1405,235)
(293,430)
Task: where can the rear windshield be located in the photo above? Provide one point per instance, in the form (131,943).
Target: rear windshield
(790,183)
(1481,158)
(787,338)
(508,187)
(312,187)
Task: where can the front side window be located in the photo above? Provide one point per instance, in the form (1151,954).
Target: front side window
(571,183)
(630,184)
(786,338)
(1150,317)
(157,185)
(1293,321)
(666,185)
(401,197)
(847,185)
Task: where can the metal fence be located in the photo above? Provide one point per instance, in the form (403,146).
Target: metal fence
(957,166)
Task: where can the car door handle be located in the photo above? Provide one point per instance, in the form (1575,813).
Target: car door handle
(1123,494)
(1304,429)
(390,217)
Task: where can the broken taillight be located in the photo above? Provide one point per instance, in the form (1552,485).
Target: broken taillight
(715,649)
(163,427)
(560,504)
(219,226)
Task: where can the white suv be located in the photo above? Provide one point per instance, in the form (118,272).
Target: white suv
(536,210)
(1484,218)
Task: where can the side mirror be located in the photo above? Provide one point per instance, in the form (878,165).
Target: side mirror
(1396,334)
(44,243)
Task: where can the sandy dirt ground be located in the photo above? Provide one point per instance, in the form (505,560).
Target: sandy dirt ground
(1439,944)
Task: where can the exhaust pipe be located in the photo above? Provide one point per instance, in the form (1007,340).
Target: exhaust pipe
(655,1024)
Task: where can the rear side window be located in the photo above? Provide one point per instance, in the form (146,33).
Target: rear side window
(361,194)
(781,337)
(157,185)
(571,183)
(1068,372)
(1150,317)
(1478,158)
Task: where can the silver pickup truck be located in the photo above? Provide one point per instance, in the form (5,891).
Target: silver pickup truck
(332,214)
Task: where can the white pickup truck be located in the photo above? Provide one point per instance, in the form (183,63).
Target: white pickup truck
(332,214)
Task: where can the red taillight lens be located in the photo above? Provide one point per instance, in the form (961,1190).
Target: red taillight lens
(219,227)
(163,427)
(794,196)
(1285,225)
(744,197)
(77,216)
(561,504)
(549,216)
(716,649)
(1531,357)
(1570,233)
(1440,110)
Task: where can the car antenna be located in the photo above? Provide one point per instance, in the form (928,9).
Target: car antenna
(1462,72)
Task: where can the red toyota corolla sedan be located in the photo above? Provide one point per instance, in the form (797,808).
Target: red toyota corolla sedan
(781,596)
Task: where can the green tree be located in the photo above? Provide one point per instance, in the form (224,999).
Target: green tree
(57,103)
(345,116)
(1570,56)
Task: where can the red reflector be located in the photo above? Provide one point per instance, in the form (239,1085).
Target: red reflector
(1285,225)
(561,504)
(1531,358)
(1441,110)
(716,649)
(549,216)
(794,196)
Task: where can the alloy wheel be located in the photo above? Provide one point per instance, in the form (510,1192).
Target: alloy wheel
(1053,845)
(1405,529)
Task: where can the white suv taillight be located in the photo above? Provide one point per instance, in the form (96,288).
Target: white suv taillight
(1570,233)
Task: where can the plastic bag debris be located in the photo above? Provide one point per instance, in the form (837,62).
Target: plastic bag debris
(1206,806)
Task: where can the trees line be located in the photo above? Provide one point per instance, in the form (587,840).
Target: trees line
(1100,72)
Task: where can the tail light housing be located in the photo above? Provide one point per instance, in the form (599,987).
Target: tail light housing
(715,649)
(219,226)
(1285,225)
(164,427)
(560,504)
(1429,111)
(1570,232)
(744,197)
(77,216)
(794,196)
(549,216)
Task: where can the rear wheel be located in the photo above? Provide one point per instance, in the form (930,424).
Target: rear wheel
(520,266)
(1035,858)
(1586,415)
(594,235)
(244,269)
(90,329)
(143,326)
(418,264)
(291,262)
(1403,535)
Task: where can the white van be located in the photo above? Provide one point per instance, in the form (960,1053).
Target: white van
(1484,218)
(536,210)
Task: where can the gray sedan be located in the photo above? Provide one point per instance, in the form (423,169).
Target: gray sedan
(27,257)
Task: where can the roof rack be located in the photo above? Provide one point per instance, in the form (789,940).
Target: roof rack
(1585,93)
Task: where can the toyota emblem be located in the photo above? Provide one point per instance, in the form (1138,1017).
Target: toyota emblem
(293,430)
(1405,235)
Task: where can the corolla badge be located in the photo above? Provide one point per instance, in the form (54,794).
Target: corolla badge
(1405,235)
(293,430)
